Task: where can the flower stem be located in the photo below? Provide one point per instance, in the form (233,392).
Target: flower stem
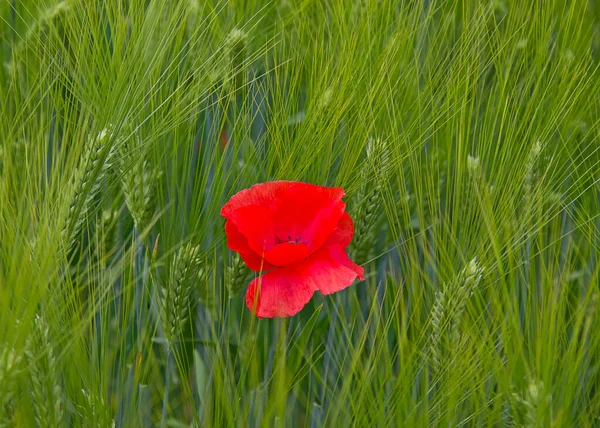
(163,419)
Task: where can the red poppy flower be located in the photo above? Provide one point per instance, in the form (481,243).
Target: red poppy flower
(296,234)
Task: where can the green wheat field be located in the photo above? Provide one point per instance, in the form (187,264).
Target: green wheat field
(465,133)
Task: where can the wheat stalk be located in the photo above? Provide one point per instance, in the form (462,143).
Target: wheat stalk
(139,189)
(531,175)
(177,294)
(532,408)
(236,46)
(94,412)
(9,369)
(45,388)
(369,211)
(94,163)
(238,275)
(448,311)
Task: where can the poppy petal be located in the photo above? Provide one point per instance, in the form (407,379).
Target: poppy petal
(287,253)
(285,291)
(255,262)
(307,212)
(259,194)
(238,242)
(332,270)
(279,293)
(343,232)
(255,222)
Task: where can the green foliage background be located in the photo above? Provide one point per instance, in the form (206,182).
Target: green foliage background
(466,134)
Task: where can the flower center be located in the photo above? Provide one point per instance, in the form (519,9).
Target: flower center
(289,239)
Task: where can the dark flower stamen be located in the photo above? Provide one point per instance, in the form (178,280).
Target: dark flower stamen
(290,239)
